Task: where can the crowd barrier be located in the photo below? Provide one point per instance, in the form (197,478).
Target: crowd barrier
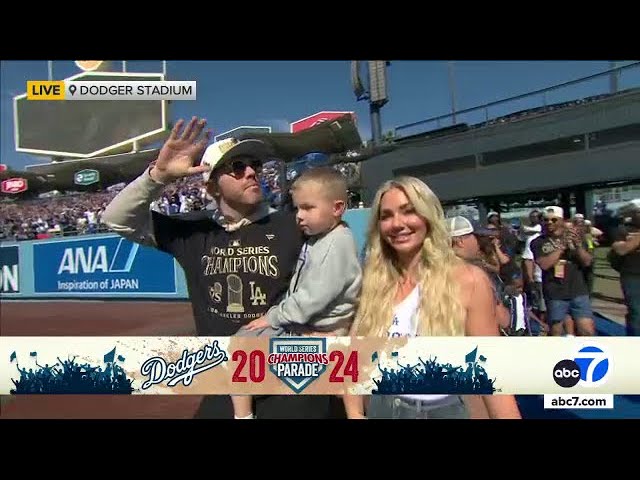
(102,266)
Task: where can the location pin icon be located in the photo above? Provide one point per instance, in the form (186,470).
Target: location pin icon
(72,89)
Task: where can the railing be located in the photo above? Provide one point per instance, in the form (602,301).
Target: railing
(558,96)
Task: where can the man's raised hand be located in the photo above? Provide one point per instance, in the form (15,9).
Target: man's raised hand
(181,154)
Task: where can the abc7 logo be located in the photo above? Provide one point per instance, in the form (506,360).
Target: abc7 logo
(590,368)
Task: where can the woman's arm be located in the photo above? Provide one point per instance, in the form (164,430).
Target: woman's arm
(480,305)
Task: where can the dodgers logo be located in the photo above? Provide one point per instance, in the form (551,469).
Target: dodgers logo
(298,361)
(188,366)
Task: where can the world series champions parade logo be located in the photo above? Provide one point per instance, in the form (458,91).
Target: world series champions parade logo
(298,362)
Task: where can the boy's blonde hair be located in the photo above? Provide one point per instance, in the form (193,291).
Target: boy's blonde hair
(333,183)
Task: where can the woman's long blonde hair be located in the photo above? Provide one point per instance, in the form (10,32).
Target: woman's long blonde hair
(441,311)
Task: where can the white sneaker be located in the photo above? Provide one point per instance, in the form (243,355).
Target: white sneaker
(248,417)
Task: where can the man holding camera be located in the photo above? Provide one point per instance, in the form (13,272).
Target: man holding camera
(562,254)
(626,247)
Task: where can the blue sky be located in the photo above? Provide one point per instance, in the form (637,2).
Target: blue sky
(275,93)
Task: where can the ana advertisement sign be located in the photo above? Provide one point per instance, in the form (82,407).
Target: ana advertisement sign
(103,265)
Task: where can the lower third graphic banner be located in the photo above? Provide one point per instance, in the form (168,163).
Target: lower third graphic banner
(318,365)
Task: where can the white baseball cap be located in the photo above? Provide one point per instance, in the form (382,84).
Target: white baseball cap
(554,212)
(222,151)
(460,226)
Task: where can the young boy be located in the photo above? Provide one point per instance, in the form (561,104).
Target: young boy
(515,300)
(326,282)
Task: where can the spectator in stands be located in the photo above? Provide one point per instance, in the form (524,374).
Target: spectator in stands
(626,260)
(584,232)
(535,223)
(561,253)
(523,321)
(493,251)
(532,272)
(199,241)
(507,240)
(595,232)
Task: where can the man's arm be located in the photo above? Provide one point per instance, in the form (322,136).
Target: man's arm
(546,261)
(577,247)
(528,270)
(582,254)
(129,213)
(626,244)
(503,258)
(335,270)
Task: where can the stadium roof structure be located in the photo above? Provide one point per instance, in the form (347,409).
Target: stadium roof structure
(60,176)
(336,138)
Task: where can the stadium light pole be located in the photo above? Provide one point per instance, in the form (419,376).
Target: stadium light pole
(372,86)
(378,96)
(613,77)
(376,125)
(452,90)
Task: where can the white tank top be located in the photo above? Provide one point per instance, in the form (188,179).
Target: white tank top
(405,324)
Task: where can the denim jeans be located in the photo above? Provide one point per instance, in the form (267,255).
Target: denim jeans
(631,290)
(397,407)
(578,307)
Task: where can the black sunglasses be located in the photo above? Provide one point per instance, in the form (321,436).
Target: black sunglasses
(238,167)
(552,220)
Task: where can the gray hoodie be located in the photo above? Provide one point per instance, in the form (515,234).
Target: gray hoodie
(325,286)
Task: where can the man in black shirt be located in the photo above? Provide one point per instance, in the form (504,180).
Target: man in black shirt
(561,254)
(626,246)
(237,260)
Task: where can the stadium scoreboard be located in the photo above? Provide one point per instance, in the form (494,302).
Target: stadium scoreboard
(95,113)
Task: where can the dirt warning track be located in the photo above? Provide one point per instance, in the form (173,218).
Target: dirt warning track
(81,318)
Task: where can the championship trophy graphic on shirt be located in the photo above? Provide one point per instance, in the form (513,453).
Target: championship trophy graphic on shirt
(234,294)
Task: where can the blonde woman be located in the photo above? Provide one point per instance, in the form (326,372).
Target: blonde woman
(413,284)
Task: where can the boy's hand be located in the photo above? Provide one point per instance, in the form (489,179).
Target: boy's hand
(258,324)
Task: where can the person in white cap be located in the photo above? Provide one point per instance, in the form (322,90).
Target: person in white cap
(625,258)
(561,254)
(237,260)
(464,240)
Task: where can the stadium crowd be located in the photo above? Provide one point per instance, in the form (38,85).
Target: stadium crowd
(80,213)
